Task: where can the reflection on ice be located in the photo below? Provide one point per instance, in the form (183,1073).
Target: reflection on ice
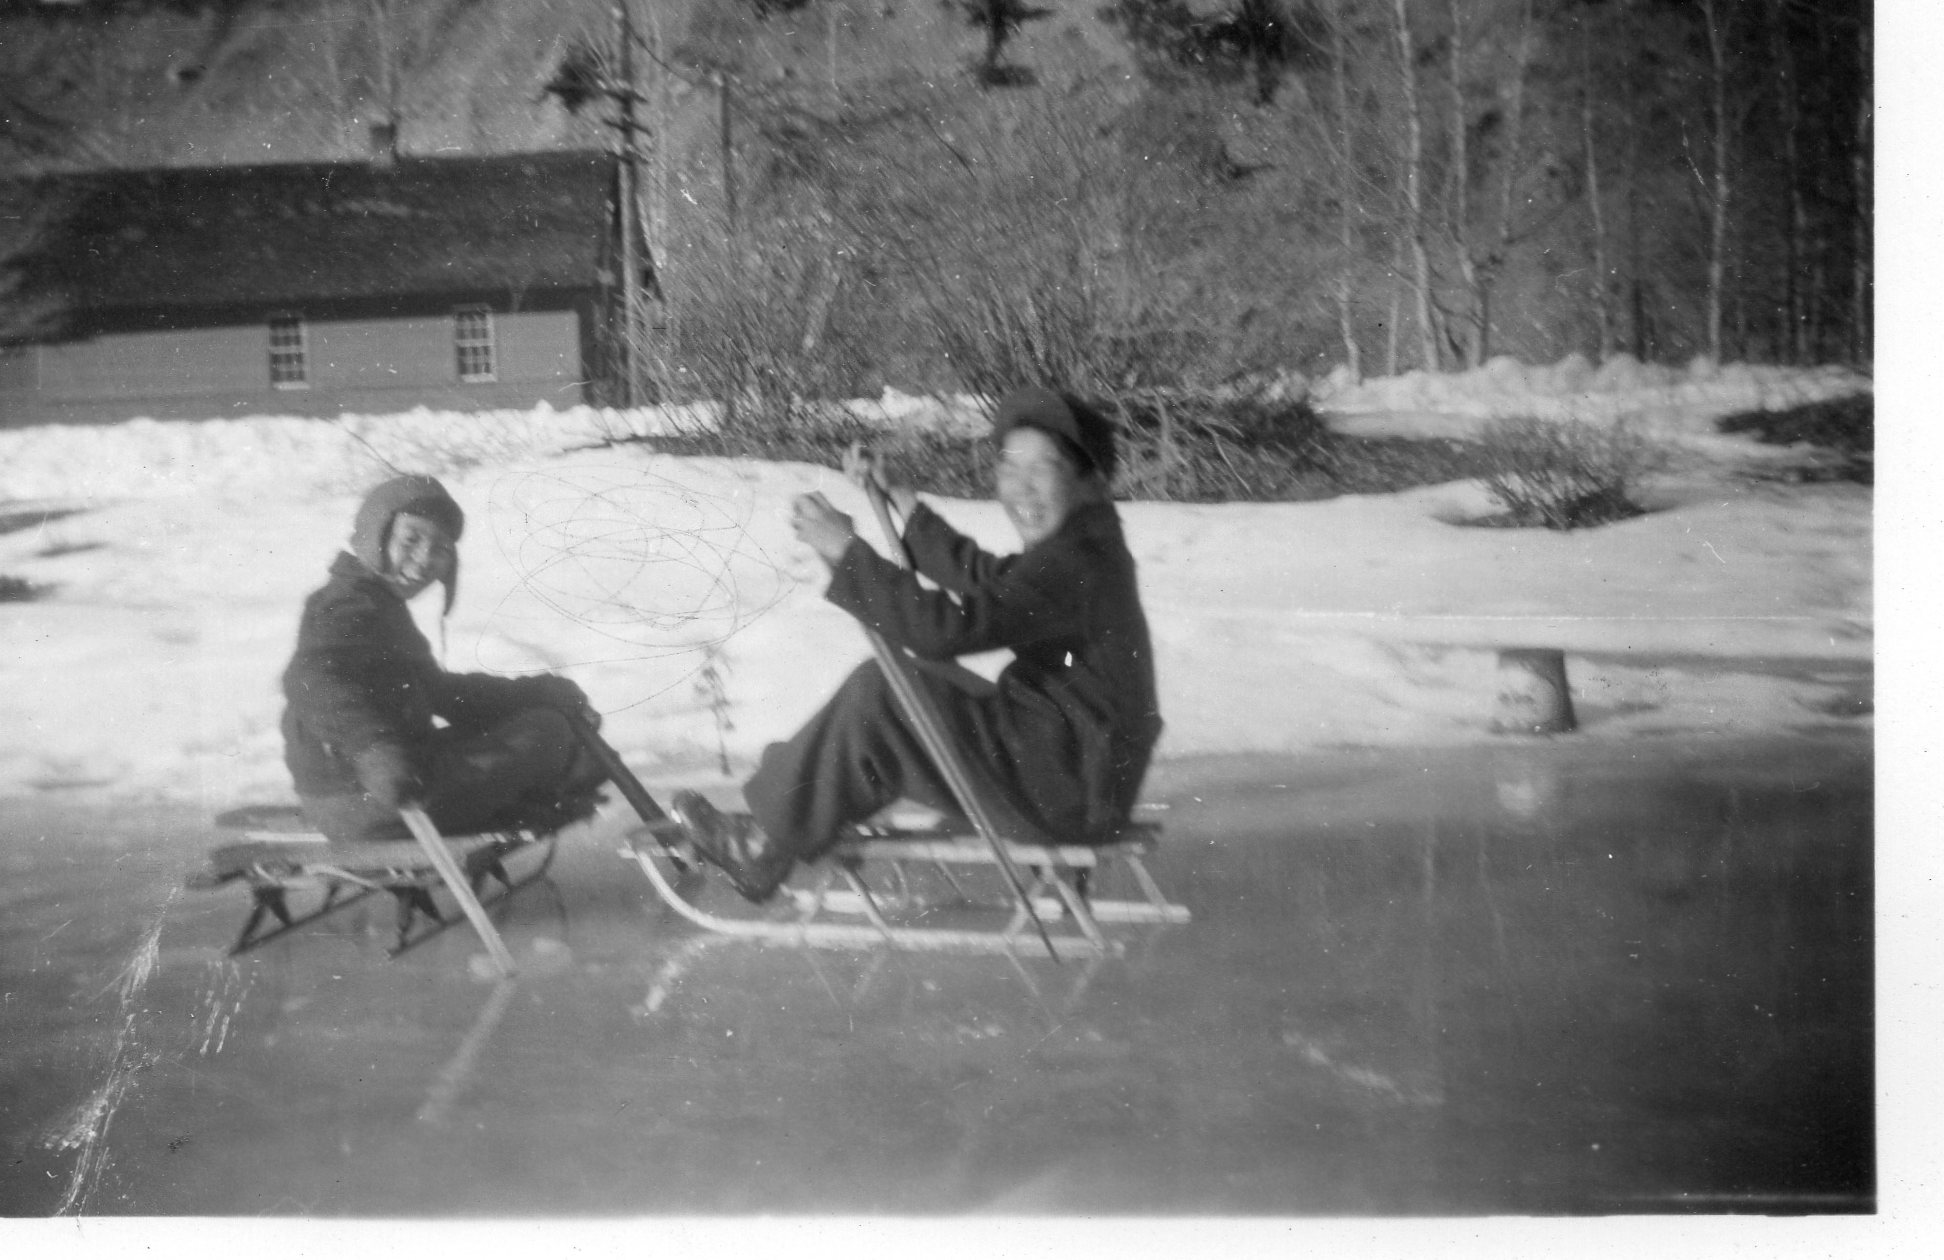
(1534,978)
(458,1070)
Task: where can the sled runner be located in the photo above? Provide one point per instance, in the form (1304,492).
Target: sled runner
(278,859)
(930,889)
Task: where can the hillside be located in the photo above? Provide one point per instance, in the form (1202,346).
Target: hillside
(1129,192)
(225,81)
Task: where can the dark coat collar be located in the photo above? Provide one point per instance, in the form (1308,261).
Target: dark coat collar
(353,569)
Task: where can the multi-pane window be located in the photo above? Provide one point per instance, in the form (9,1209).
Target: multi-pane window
(472,338)
(289,364)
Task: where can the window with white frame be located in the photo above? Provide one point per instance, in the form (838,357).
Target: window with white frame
(472,339)
(289,357)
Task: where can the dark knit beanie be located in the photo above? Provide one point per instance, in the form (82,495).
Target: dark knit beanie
(1089,434)
(413,494)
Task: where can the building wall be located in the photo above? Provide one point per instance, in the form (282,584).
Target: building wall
(369,365)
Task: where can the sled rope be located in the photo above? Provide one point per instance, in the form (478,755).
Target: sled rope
(924,718)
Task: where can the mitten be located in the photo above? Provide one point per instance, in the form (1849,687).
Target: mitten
(386,774)
(564,694)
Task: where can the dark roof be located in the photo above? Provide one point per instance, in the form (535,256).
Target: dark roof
(288,234)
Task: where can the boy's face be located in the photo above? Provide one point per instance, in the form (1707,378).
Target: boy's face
(418,552)
(1038,485)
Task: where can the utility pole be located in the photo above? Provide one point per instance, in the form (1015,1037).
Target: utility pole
(606,74)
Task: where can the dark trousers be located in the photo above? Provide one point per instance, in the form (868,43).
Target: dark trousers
(514,772)
(860,753)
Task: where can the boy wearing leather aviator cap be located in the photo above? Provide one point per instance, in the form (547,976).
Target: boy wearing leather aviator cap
(1058,745)
(363,689)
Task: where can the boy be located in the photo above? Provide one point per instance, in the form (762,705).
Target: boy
(363,688)
(1057,746)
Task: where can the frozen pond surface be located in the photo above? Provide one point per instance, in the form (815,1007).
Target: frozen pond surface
(1555,977)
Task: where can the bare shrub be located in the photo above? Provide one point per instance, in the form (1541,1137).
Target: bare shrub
(1842,432)
(947,241)
(1841,424)
(1013,232)
(780,429)
(1563,475)
(1174,447)
(744,327)
(1204,447)
(932,461)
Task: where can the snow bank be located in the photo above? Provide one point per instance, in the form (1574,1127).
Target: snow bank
(1665,401)
(674,591)
(148,457)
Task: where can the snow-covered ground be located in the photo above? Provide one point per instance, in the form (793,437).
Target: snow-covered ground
(177,555)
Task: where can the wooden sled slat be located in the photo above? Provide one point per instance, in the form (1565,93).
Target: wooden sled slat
(855,917)
(274,863)
(297,851)
(805,930)
(844,901)
(964,852)
(1138,841)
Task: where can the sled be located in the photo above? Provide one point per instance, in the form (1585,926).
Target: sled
(1058,903)
(278,860)
(1050,885)
(930,888)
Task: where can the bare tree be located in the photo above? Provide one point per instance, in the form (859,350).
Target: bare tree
(1795,235)
(1595,204)
(1459,204)
(1413,184)
(1393,326)
(1000,20)
(1716,23)
(830,51)
(1513,165)
(726,142)
(1344,151)
(1259,40)
(1262,34)
(1861,346)
(652,191)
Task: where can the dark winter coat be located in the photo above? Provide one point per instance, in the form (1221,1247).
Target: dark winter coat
(363,688)
(1076,705)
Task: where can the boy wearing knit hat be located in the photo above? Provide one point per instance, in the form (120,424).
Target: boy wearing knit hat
(363,688)
(1056,747)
